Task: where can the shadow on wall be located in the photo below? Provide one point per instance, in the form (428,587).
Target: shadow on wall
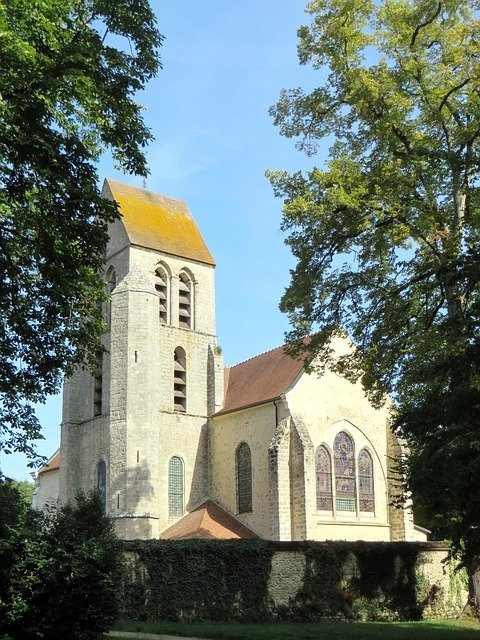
(131,492)
(199,486)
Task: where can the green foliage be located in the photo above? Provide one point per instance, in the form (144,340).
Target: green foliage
(195,580)
(386,236)
(60,570)
(70,72)
(200,580)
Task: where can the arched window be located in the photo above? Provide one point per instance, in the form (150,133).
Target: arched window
(102,482)
(323,476)
(344,462)
(180,380)
(184,302)
(244,478)
(175,486)
(365,481)
(161,289)
(111,284)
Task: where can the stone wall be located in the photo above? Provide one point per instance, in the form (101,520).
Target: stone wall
(304,581)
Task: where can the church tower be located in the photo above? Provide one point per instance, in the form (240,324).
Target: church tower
(138,432)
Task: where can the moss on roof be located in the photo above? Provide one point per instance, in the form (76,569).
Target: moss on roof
(157,222)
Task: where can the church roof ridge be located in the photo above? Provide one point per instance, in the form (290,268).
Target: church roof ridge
(258,355)
(260,379)
(156,221)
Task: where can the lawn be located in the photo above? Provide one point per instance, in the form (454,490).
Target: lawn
(431,630)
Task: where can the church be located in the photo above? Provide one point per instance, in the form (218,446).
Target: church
(180,446)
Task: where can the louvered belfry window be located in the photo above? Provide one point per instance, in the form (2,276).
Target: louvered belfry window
(161,289)
(180,380)
(244,478)
(175,486)
(344,461)
(365,481)
(97,395)
(184,302)
(323,476)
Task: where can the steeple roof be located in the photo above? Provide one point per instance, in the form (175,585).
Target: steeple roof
(157,222)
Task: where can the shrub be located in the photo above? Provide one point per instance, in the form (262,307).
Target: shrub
(61,570)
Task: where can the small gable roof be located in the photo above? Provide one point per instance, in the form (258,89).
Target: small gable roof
(52,464)
(157,222)
(208,521)
(260,379)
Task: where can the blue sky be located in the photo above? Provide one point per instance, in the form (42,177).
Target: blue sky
(224,65)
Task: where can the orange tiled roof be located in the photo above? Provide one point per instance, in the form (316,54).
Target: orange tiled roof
(260,379)
(158,222)
(207,521)
(52,464)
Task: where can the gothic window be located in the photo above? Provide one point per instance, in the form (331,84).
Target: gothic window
(184,301)
(161,289)
(244,478)
(365,481)
(344,462)
(180,380)
(323,474)
(97,395)
(175,486)
(111,284)
(102,482)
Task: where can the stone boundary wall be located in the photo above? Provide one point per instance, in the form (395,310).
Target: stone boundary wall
(307,581)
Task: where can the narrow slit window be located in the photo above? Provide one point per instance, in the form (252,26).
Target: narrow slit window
(175,487)
(344,460)
(97,395)
(184,302)
(365,482)
(102,482)
(161,289)
(323,473)
(180,380)
(244,478)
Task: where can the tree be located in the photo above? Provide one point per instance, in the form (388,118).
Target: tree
(70,71)
(386,235)
(62,570)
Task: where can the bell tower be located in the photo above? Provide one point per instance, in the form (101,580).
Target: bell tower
(138,432)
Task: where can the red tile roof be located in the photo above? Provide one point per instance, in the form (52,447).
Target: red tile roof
(207,521)
(260,379)
(52,464)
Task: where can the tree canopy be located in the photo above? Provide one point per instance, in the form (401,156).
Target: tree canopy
(386,234)
(70,72)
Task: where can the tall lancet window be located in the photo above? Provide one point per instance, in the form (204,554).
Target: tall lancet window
(102,482)
(184,301)
(344,461)
(244,478)
(323,477)
(180,380)
(175,486)
(162,292)
(365,481)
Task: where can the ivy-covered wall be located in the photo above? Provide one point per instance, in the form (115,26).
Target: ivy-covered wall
(258,580)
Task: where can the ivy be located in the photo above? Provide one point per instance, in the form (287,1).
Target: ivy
(195,580)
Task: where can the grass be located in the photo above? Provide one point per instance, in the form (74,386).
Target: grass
(425,630)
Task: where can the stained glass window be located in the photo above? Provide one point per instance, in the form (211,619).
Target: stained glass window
(365,481)
(102,482)
(344,461)
(323,471)
(244,478)
(175,486)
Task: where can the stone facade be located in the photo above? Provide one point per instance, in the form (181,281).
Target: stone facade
(129,420)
